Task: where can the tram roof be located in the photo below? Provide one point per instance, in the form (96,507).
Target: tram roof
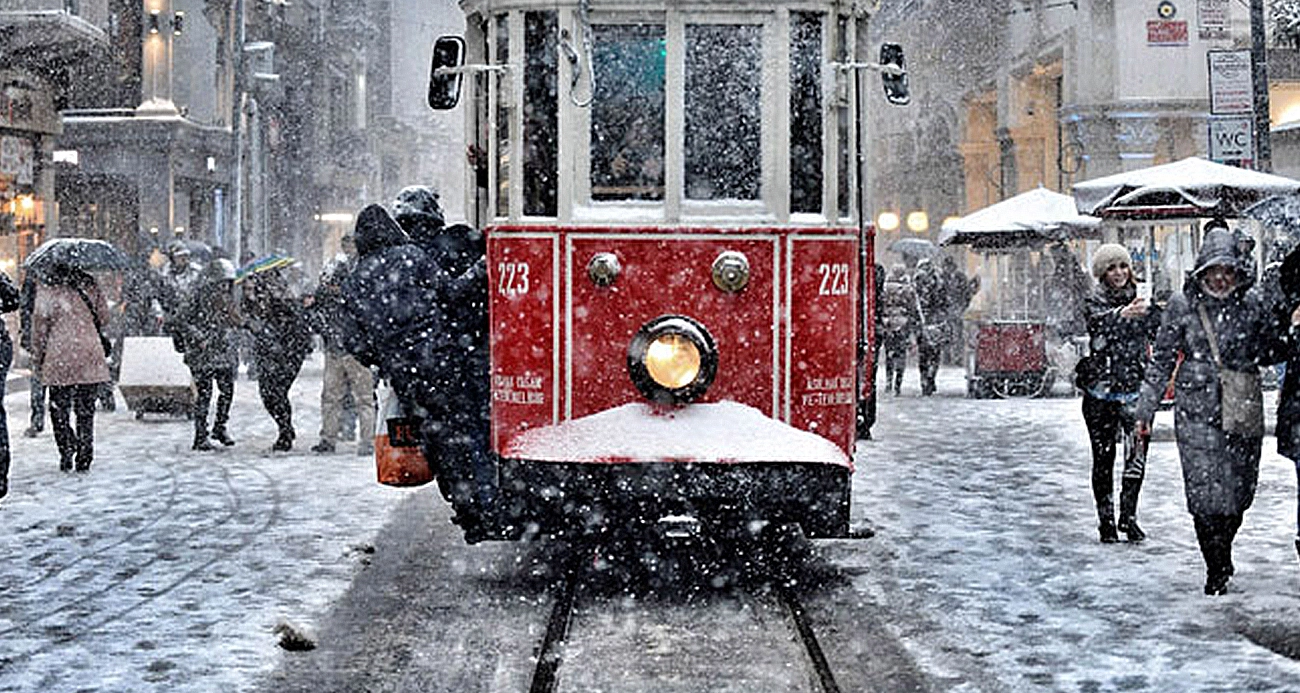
(861,8)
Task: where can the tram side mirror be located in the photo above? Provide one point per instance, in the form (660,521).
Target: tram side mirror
(444,76)
(895,80)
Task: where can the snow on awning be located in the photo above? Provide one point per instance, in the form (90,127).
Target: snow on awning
(1029,218)
(1192,187)
(723,432)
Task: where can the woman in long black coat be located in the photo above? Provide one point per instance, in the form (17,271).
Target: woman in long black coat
(1220,468)
(1120,328)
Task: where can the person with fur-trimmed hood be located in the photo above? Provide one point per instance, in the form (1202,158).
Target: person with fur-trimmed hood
(1225,333)
(1121,327)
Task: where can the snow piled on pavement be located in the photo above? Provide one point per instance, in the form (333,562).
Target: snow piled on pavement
(987,553)
(164,569)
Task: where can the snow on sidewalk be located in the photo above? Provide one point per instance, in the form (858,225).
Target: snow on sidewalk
(164,569)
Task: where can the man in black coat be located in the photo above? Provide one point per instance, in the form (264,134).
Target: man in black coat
(414,321)
(281,342)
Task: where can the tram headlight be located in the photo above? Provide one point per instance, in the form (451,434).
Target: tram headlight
(672,359)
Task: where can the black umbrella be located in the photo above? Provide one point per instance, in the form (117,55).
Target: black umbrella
(89,254)
(914,247)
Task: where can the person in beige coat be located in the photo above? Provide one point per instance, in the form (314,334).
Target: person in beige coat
(68,318)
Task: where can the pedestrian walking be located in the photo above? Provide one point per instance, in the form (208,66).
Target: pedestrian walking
(1121,328)
(899,318)
(10,300)
(344,375)
(281,342)
(205,324)
(1282,279)
(960,289)
(1224,333)
(1067,293)
(932,332)
(35,388)
(69,352)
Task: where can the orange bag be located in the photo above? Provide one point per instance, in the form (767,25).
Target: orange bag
(398,457)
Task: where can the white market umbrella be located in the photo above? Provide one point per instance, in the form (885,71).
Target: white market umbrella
(1189,188)
(1030,218)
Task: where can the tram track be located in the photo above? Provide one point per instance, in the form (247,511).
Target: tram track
(772,591)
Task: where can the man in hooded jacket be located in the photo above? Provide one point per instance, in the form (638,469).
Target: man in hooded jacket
(1220,463)
(402,321)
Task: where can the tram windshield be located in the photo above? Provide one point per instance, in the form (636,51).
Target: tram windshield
(627,114)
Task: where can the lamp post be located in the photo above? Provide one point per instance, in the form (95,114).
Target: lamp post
(1259,75)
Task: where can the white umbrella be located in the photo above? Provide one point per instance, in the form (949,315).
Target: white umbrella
(1192,187)
(1029,218)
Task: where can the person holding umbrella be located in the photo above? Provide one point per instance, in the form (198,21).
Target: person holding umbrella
(281,340)
(70,353)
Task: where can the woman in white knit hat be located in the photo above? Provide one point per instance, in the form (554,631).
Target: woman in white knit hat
(1121,325)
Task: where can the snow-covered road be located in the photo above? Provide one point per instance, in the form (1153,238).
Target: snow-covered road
(166,570)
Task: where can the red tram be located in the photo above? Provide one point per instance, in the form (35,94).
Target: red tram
(671,198)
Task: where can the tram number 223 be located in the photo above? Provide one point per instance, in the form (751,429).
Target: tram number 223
(512,278)
(835,279)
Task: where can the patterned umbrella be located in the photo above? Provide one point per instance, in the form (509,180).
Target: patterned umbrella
(265,263)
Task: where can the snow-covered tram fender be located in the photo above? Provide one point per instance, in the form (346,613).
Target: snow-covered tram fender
(574,311)
(672,198)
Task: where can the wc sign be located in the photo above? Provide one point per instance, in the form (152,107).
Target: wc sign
(1231,139)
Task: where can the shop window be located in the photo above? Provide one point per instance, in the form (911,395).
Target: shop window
(723,115)
(627,114)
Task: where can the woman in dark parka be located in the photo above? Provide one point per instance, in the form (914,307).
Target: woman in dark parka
(1120,328)
(1220,469)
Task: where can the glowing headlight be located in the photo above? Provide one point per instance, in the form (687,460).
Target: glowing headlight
(672,359)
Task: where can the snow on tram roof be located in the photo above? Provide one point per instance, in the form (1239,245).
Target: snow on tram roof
(639,432)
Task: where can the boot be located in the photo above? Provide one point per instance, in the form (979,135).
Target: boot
(4,474)
(1128,500)
(1297,545)
(201,433)
(219,434)
(284,443)
(1106,521)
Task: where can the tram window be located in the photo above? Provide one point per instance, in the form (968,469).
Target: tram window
(541,108)
(843,119)
(627,114)
(503,117)
(723,117)
(805,112)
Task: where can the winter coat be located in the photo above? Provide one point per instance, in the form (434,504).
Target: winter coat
(898,308)
(459,250)
(1220,470)
(932,295)
(1117,345)
(329,308)
(66,349)
(395,298)
(276,319)
(206,325)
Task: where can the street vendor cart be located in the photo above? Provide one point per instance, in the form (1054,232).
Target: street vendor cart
(1011,346)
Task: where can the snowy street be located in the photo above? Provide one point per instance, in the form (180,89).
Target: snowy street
(987,555)
(167,570)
